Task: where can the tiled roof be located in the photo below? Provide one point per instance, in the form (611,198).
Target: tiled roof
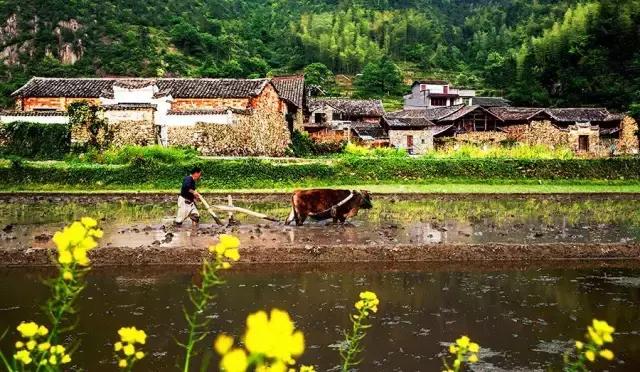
(490,101)
(578,114)
(178,87)
(290,88)
(515,113)
(370,132)
(400,122)
(437,113)
(34,113)
(361,107)
(431,81)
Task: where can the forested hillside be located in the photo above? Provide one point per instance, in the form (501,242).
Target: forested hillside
(540,52)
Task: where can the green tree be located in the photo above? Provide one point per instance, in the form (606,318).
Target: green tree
(318,74)
(381,78)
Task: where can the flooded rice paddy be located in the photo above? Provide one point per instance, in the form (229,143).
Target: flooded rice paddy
(432,220)
(523,318)
(524,315)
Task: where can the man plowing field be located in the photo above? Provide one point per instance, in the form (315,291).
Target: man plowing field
(188,196)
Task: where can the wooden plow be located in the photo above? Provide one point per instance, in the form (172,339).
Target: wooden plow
(231,209)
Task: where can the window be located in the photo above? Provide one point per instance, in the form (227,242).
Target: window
(440,101)
(337,116)
(319,118)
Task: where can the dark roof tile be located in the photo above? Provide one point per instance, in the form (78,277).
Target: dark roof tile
(177,87)
(290,88)
(361,107)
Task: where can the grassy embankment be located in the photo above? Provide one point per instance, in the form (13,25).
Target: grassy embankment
(384,175)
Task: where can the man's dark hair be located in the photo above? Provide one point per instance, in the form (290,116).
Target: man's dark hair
(196,170)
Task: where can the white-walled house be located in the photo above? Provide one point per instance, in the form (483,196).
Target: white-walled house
(436,93)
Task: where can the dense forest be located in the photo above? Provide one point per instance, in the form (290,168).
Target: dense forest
(535,52)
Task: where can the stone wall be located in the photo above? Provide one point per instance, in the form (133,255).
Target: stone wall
(537,133)
(268,100)
(593,134)
(628,140)
(422,140)
(258,134)
(481,137)
(141,133)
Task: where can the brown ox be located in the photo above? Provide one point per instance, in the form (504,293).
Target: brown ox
(322,204)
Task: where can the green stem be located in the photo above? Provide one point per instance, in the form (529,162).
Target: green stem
(352,342)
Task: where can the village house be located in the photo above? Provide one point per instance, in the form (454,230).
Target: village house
(586,130)
(218,116)
(356,120)
(439,93)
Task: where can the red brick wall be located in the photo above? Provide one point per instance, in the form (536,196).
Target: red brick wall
(268,100)
(57,103)
(190,104)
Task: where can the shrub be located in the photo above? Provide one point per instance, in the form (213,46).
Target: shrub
(380,152)
(301,144)
(131,154)
(35,140)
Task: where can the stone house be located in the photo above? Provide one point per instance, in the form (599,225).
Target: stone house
(585,130)
(173,111)
(355,120)
(292,92)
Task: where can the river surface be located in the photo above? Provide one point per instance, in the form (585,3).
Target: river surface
(524,318)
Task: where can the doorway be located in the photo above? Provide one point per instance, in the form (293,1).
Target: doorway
(583,143)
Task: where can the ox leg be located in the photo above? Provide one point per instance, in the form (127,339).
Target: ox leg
(300,219)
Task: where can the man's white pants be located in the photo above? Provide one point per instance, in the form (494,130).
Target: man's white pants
(186,209)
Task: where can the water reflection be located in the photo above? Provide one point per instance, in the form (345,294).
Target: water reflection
(523,318)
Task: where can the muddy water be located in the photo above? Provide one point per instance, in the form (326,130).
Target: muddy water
(523,318)
(431,220)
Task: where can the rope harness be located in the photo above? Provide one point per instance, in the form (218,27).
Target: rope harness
(334,208)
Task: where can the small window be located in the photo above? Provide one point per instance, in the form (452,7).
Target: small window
(440,101)
(319,118)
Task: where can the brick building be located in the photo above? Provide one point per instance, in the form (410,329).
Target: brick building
(158,107)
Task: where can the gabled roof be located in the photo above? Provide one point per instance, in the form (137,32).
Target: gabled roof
(361,107)
(508,113)
(177,87)
(579,114)
(437,113)
(369,132)
(490,101)
(464,111)
(290,88)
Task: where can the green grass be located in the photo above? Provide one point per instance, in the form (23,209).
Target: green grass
(437,187)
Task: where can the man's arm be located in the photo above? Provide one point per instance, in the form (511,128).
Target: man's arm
(195,194)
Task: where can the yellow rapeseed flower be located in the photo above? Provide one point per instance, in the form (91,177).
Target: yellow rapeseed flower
(53,360)
(117,346)
(31,344)
(43,331)
(607,354)
(23,356)
(453,349)
(28,330)
(579,345)
(229,241)
(57,349)
(89,222)
(304,368)
(65,359)
(275,338)
(129,349)
(67,275)
(232,254)
(590,355)
(223,344)
(473,358)
(463,342)
(122,363)
(44,346)
(139,355)
(132,335)
(474,347)
(234,361)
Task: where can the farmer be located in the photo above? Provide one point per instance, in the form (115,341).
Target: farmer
(188,196)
